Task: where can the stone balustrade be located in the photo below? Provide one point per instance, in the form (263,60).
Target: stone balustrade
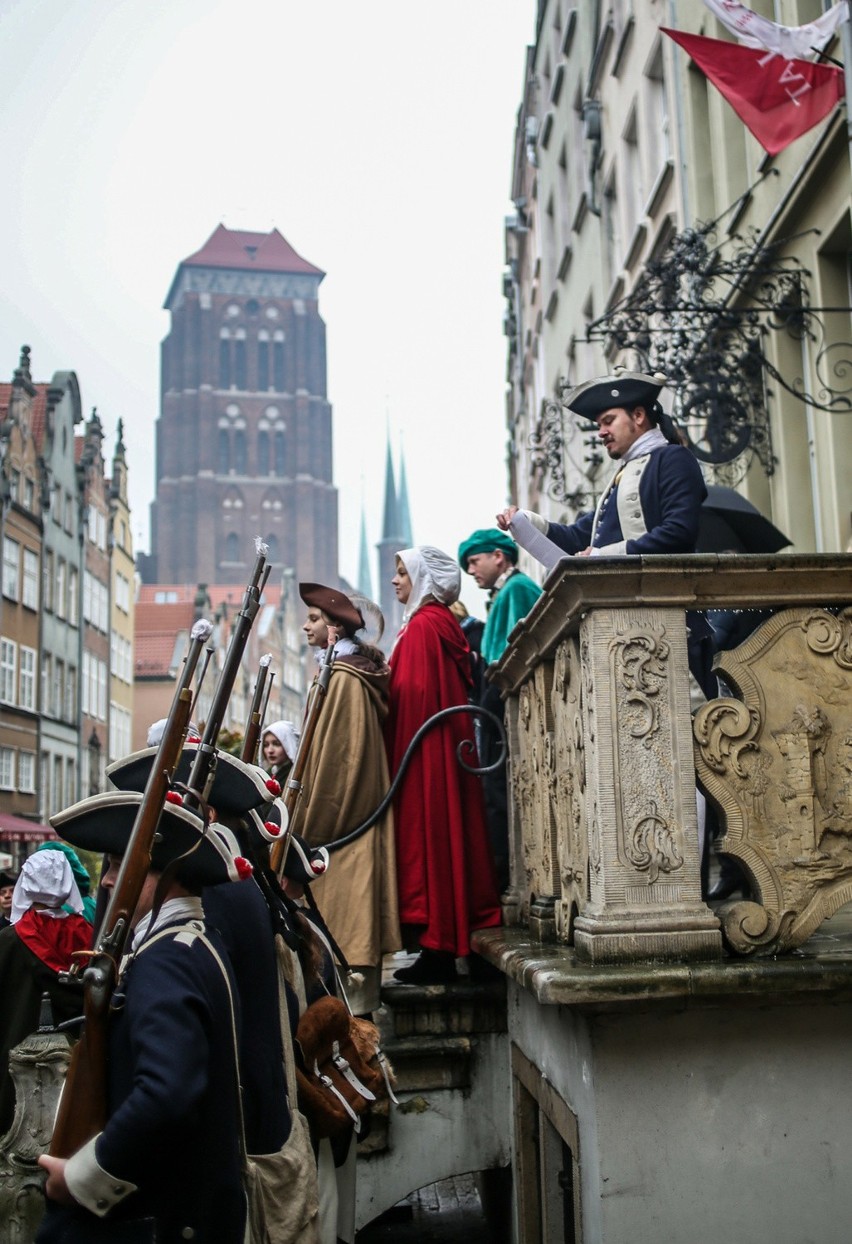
(604,755)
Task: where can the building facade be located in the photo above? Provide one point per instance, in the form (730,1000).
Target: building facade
(59,762)
(93,495)
(244,437)
(21,497)
(122,607)
(626,158)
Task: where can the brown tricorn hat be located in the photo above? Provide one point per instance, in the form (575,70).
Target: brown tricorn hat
(334,604)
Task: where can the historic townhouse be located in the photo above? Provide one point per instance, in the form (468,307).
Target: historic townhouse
(59,411)
(122,605)
(622,145)
(21,501)
(93,498)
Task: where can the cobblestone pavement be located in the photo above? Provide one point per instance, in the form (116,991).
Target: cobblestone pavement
(443,1213)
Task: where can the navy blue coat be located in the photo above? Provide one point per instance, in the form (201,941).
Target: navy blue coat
(240,915)
(173,1125)
(671,491)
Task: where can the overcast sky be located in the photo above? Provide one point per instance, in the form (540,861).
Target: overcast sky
(377,137)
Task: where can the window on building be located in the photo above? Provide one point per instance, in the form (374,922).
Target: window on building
(14,484)
(224,451)
(29,494)
(7,768)
(57,778)
(240,452)
(59,594)
(232,548)
(278,363)
(58,687)
(47,808)
(263,459)
(27,685)
(26,772)
(56,507)
(85,686)
(70,783)
(656,131)
(240,376)
(225,361)
(165,598)
(280,453)
(47,582)
(273,554)
(71,694)
(11,556)
(263,360)
(8,670)
(29,595)
(69,512)
(46,675)
(73,594)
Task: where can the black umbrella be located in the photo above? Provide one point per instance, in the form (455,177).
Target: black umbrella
(730,524)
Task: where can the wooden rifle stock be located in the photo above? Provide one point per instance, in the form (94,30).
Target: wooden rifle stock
(251,738)
(82,1108)
(278,854)
(204,763)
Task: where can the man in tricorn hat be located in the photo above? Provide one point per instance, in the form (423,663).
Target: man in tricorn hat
(652,503)
(491,557)
(167,1163)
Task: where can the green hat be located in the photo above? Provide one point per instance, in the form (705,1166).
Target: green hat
(487,540)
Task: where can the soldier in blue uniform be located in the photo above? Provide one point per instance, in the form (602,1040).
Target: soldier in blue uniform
(167,1165)
(653,502)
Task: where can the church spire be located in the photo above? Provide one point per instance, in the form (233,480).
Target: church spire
(365,579)
(402,505)
(390,523)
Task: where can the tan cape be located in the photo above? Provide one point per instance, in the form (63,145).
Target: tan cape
(345,778)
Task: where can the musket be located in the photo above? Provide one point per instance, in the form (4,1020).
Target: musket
(251,738)
(82,1108)
(204,762)
(316,699)
(465,745)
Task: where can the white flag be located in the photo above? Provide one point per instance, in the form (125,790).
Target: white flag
(791,42)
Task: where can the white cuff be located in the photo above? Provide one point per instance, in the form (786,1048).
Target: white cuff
(540,524)
(611,550)
(91,1185)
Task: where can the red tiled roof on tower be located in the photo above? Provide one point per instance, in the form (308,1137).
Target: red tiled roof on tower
(256,252)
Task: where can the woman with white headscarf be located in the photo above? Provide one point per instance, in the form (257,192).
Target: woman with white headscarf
(38,945)
(444,868)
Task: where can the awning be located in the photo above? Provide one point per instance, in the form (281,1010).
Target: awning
(19,829)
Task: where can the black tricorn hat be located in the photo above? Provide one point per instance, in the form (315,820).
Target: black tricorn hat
(302,863)
(628,389)
(104,823)
(236,787)
(334,604)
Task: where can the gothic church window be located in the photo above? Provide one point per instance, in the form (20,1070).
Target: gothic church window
(240,452)
(240,371)
(264,465)
(224,452)
(263,360)
(278,362)
(232,548)
(280,453)
(225,360)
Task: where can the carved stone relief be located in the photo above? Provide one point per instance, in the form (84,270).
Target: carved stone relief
(534,787)
(777,762)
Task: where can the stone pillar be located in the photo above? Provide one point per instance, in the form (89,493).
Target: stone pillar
(644,863)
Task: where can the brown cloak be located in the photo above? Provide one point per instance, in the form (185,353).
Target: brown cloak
(345,778)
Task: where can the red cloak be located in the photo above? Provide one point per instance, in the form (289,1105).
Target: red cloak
(444,866)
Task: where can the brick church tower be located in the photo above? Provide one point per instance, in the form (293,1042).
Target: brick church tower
(244,435)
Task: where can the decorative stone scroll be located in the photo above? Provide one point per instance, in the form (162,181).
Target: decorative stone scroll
(777,762)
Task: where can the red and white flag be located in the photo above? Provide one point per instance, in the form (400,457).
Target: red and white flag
(778,100)
(791,42)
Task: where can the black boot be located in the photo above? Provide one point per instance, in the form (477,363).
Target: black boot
(431,967)
(731,880)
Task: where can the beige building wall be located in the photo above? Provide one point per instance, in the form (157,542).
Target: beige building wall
(621,142)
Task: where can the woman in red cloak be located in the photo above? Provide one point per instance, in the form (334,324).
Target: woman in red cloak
(444,868)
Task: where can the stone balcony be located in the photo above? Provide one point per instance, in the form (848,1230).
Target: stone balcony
(605,756)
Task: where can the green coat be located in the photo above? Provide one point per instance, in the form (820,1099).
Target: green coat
(512,602)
